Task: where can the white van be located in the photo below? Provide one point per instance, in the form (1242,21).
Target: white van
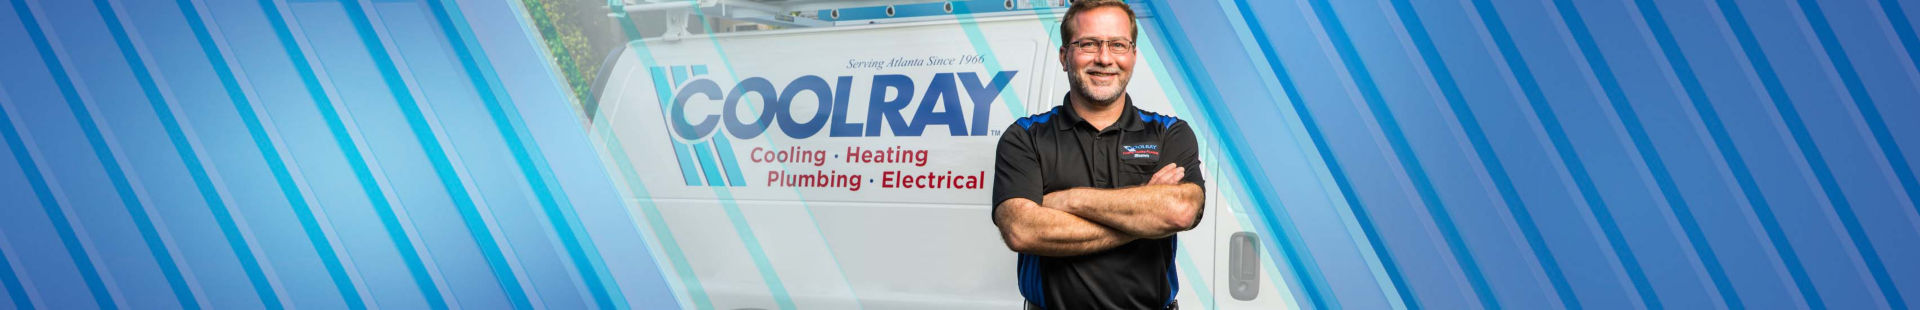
(849,167)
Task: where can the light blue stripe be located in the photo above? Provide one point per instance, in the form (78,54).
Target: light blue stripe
(490,248)
(83,263)
(695,291)
(663,88)
(162,253)
(330,259)
(8,279)
(1556,135)
(964,15)
(767,273)
(1729,154)
(1183,105)
(566,225)
(1280,225)
(655,220)
(1197,279)
(1483,150)
(223,216)
(101,293)
(1757,60)
(1642,146)
(1410,164)
(1837,55)
(704,151)
(727,162)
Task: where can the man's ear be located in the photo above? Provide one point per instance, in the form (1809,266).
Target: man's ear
(1063,60)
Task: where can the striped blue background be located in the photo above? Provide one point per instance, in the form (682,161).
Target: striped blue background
(1601,154)
(1526,154)
(244,154)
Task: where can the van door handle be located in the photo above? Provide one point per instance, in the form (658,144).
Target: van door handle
(1243,266)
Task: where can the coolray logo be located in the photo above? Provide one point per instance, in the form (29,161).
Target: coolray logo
(723,171)
(1140,151)
(942,91)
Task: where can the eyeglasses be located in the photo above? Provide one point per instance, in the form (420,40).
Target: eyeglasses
(1091,46)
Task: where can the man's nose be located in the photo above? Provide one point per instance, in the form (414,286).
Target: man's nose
(1105,57)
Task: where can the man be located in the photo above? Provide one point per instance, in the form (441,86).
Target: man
(1091,193)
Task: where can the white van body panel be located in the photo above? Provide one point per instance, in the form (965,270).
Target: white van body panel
(753,241)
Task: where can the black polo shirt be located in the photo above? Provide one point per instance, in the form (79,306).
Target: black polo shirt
(1058,150)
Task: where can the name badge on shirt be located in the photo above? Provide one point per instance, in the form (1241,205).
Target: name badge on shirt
(1140,151)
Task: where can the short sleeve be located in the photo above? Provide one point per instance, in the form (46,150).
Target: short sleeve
(1180,147)
(1016,168)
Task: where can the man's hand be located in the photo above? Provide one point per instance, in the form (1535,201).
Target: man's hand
(1160,208)
(1169,175)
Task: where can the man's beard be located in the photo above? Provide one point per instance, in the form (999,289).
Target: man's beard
(1081,83)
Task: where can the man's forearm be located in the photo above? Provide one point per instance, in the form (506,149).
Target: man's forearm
(1028,228)
(1147,211)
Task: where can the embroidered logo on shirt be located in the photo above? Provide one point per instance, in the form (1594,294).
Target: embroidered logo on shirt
(1140,151)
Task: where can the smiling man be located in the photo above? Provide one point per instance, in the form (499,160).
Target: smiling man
(1092,192)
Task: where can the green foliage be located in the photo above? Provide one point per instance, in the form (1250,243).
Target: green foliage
(568,45)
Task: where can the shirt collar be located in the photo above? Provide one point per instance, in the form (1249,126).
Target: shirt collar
(1129,116)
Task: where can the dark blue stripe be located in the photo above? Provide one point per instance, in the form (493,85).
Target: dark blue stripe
(114,175)
(443,168)
(1482,149)
(303,212)
(1871,115)
(1784,106)
(1903,28)
(1409,163)
(61,225)
(1874,120)
(1557,135)
(566,225)
(188,156)
(1617,98)
(1286,235)
(8,279)
(1729,154)
(229,228)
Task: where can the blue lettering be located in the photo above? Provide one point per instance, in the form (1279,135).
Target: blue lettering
(795,128)
(840,126)
(771,107)
(679,110)
(939,105)
(983,96)
(949,104)
(879,108)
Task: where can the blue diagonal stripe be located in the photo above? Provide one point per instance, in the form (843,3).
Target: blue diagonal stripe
(9,280)
(1728,153)
(83,262)
(1557,137)
(1482,149)
(1837,56)
(303,212)
(1410,164)
(223,217)
(655,220)
(552,198)
(663,89)
(410,109)
(1642,145)
(117,177)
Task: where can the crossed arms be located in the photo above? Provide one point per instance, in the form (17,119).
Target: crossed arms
(1086,220)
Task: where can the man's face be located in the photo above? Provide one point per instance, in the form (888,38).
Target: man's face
(1100,75)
